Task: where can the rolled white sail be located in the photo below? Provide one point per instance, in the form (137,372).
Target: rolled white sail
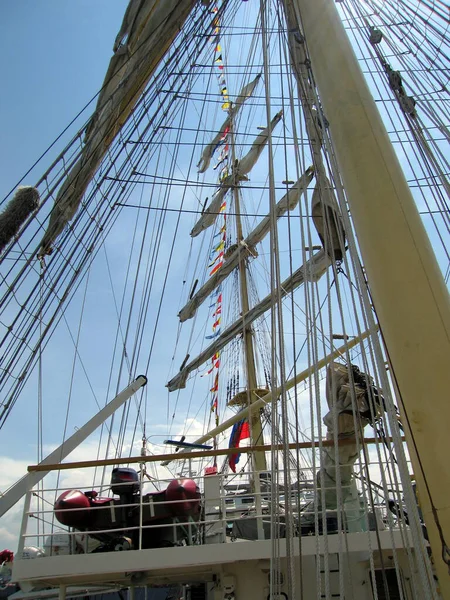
(128,73)
(210,214)
(244,166)
(246,92)
(312,270)
(345,395)
(208,152)
(288,202)
(189,309)
(247,163)
(327,218)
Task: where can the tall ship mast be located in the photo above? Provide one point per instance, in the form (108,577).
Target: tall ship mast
(225,312)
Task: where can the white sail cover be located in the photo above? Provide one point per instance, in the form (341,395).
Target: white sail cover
(210,214)
(244,166)
(208,151)
(327,218)
(149,27)
(312,270)
(288,202)
(247,163)
(348,393)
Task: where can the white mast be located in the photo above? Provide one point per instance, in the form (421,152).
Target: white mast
(408,290)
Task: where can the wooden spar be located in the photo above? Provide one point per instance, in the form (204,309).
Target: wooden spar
(407,287)
(256,430)
(132,460)
(261,402)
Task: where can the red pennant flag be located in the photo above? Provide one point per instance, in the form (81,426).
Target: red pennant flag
(216,268)
(215,387)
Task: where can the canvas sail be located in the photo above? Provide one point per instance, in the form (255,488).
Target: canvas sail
(312,270)
(210,214)
(208,151)
(288,202)
(150,28)
(243,167)
(247,163)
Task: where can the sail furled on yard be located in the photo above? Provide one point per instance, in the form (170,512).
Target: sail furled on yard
(353,402)
(148,30)
(22,204)
(287,203)
(327,219)
(312,270)
(243,167)
(208,151)
(247,163)
(210,214)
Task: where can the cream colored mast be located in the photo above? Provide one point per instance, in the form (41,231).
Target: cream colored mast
(256,432)
(407,287)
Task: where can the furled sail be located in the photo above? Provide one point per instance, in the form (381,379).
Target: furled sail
(288,202)
(244,166)
(210,214)
(305,86)
(150,27)
(247,163)
(22,204)
(126,28)
(312,270)
(327,218)
(351,398)
(208,152)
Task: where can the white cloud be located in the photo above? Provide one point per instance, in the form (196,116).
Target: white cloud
(11,471)
(9,538)
(10,524)
(79,478)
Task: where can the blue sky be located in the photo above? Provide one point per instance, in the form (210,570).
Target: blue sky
(61,53)
(54,56)
(57,53)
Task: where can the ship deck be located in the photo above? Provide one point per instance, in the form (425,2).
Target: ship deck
(160,566)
